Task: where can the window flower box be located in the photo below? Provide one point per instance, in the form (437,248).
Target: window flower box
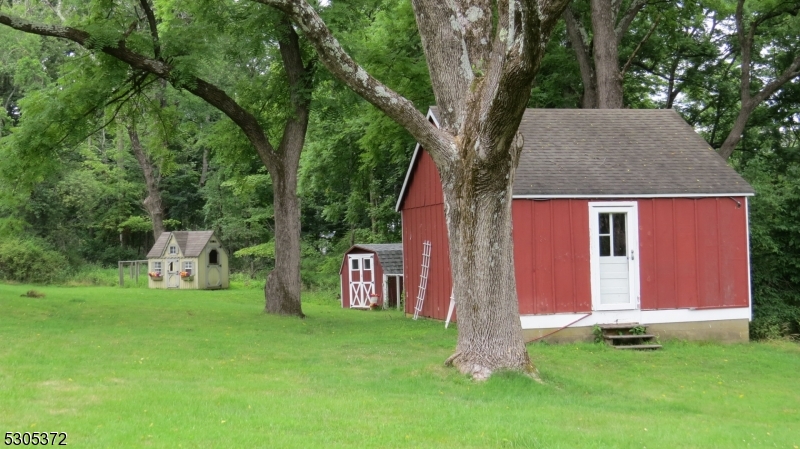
(156,276)
(187,276)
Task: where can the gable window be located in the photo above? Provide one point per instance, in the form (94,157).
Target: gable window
(213,257)
(188,267)
(173,249)
(156,267)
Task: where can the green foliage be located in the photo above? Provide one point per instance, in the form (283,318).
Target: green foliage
(775,241)
(261,251)
(30,260)
(597,333)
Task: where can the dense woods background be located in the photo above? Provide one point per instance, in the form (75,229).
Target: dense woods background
(94,156)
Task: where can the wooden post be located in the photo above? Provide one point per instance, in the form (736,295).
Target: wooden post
(398,280)
(385,292)
(121,274)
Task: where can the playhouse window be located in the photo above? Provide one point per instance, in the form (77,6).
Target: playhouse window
(173,250)
(156,267)
(367,264)
(188,267)
(213,257)
(354,264)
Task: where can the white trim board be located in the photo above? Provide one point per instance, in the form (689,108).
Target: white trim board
(633,316)
(634,195)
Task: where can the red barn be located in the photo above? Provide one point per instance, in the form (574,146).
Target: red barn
(372,270)
(619,216)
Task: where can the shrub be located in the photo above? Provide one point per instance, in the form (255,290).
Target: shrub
(30,260)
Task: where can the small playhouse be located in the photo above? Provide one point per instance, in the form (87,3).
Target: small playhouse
(619,216)
(188,259)
(372,271)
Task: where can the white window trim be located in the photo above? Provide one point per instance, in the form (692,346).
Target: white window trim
(173,250)
(188,266)
(157,267)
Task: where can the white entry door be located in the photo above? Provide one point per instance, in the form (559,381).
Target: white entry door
(613,228)
(173,274)
(362,279)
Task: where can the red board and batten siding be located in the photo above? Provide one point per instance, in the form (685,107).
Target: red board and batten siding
(423,219)
(693,251)
(344,276)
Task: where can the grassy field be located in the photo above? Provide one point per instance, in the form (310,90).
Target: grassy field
(145,368)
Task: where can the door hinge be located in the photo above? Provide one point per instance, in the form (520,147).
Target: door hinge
(632,255)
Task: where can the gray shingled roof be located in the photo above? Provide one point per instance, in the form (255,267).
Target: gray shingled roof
(618,152)
(390,256)
(191,243)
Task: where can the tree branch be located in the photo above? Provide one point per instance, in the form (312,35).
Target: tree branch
(639,46)
(203,89)
(341,65)
(627,19)
(151,22)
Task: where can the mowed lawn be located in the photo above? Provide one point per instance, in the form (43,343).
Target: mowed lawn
(145,368)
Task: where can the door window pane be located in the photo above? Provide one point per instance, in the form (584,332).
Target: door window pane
(620,240)
(605,245)
(604,227)
(367,264)
(354,264)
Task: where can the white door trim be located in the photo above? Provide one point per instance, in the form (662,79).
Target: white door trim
(632,233)
(360,291)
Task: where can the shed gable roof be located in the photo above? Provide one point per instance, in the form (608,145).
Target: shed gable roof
(390,255)
(615,152)
(191,243)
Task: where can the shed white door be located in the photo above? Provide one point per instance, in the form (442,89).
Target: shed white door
(614,259)
(362,279)
(173,274)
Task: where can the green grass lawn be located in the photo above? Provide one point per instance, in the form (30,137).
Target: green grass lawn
(135,367)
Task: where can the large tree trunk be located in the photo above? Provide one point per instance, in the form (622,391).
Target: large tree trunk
(152,203)
(478,211)
(282,289)
(606,58)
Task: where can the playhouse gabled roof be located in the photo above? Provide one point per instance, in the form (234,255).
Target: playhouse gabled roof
(191,243)
(573,153)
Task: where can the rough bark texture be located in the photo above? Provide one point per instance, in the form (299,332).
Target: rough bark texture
(749,101)
(606,59)
(152,203)
(579,42)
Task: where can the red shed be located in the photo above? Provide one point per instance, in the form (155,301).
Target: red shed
(619,216)
(372,270)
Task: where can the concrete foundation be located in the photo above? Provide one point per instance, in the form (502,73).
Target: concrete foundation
(724,331)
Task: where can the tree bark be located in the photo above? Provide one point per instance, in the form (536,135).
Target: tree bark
(606,58)
(579,43)
(478,196)
(152,203)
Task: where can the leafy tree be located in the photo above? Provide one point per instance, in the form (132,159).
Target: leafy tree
(147,43)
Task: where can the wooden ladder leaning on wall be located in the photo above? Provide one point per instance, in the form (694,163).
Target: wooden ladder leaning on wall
(423,277)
